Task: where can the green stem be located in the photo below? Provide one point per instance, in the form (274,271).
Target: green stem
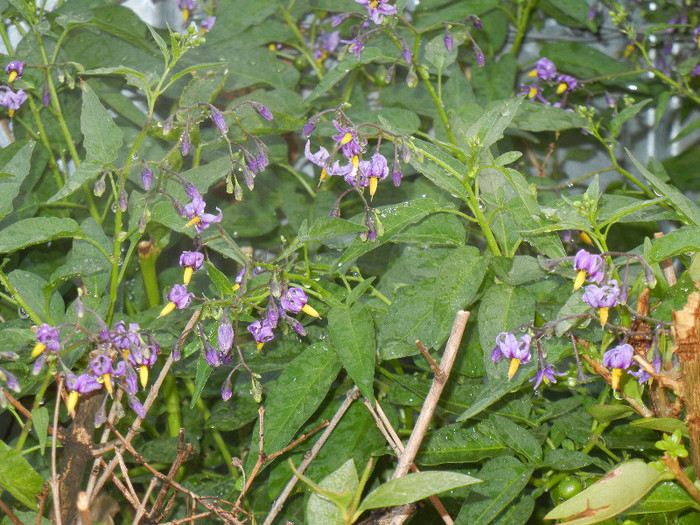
(302,48)
(523,17)
(150,277)
(172,406)
(218,439)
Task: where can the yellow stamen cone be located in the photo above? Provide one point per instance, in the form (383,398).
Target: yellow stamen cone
(585,238)
(12,77)
(107,380)
(580,279)
(532,73)
(188,274)
(374,3)
(310,310)
(72,400)
(532,93)
(185,14)
(615,382)
(143,375)
(355,161)
(513,368)
(373,185)
(193,221)
(604,312)
(168,308)
(561,88)
(260,345)
(323,175)
(271,47)
(38,349)
(236,287)
(346,138)
(11,113)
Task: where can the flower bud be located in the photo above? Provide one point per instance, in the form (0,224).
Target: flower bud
(146,177)
(100,186)
(123,200)
(262,110)
(218,119)
(225,334)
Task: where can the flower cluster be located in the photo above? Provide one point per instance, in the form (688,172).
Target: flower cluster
(545,73)
(292,300)
(377,9)
(120,352)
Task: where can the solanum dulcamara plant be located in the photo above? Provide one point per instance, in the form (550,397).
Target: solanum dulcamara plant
(343,262)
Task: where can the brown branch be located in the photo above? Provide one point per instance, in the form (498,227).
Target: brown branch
(392,438)
(183,452)
(83,506)
(667,266)
(681,477)
(433,364)
(26,413)
(9,514)
(351,396)
(431,400)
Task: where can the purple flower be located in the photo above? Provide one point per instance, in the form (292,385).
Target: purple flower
(641,375)
(319,158)
(377,9)
(448,40)
(198,218)
(121,338)
(544,69)
(533,91)
(336,20)
(293,300)
(695,71)
(589,266)
(143,357)
(347,141)
(566,83)
(618,358)
(356,46)
(261,332)
(696,35)
(180,297)
(508,346)
(322,158)
(211,355)
(48,337)
(376,170)
(83,384)
(309,127)
(12,100)
(191,262)
(14,70)
(218,119)
(256,164)
(329,41)
(186,6)
(208,23)
(136,405)
(545,373)
(225,334)
(146,177)
(603,297)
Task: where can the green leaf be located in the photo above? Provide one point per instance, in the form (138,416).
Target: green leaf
(219,280)
(414,487)
(562,459)
(583,61)
(352,332)
(30,287)
(534,116)
(678,242)
(688,210)
(455,444)
(394,218)
(40,422)
(85,173)
(327,228)
(574,305)
(297,394)
(37,230)
(204,370)
(426,310)
(434,168)
(490,127)
(625,115)
(320,511)
(570,12)
(503,480)
(14,171)
(663,424)
(442,230)
(344,67)
(18,477)
(666,497)
(437,54)
(515,437)
(607,413)
(194,68)
(609,496)
(102,137)
(160,43)
(503,308)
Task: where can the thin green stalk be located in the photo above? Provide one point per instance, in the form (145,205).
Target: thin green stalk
(38,400)
(172,406)
(300,178)
(302,47)
(149,275)
(521,27)
(218,439)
